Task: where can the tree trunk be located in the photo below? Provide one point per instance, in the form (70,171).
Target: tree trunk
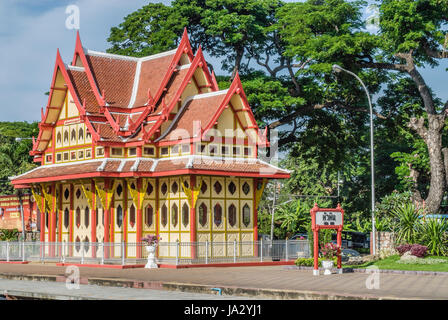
(238,59)
(433,139)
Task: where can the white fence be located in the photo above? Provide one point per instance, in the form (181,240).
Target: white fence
(167,253)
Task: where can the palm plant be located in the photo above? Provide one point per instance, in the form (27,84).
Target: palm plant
(408,222)
(434,235)
(293,216)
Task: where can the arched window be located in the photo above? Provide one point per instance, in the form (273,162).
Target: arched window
(174,215)
(164,188)
(59,138)
(66,217)
(246,188)
(149,189)
(218,187)
(185,215)
(78,217)
(149,215)
(86,217)
(217,214)
(119,216)
(80,134)
(232,215)
(65,136)
(164,215)
(204,187)
(66,194)
(203,214)
(119,190)
(132,215)
(232,187)
(174,187)
(246,215)
(73,135)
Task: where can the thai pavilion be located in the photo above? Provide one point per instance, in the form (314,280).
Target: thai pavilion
(135,146)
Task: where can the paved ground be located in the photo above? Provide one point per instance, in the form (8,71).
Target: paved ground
(60,291)
(277,282)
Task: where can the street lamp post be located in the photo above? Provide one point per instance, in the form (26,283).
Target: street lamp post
(337,68)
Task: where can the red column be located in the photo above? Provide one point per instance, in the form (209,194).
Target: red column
(42,221)
(316,252)
(139,217)
(93,218)
(106,218)
(339,242)
(124,226)
(193,235)
(255,217)
(53,217)
(60,215)
(70,230)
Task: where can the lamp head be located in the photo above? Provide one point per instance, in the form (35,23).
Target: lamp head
(336,68)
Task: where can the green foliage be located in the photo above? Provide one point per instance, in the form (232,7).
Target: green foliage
(293,217)
(309,262)
(408,225)
(14,155)
(434,235)
(9,235)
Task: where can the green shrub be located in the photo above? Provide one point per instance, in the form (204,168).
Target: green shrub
(9,235)
(309,262)
(433,234)
(408,223)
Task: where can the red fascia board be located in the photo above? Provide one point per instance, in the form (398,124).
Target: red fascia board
(81,111)
(79,52)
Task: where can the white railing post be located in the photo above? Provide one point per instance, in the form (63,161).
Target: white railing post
(286,250)
(7,251)
(261,250)
(82,254)
(102,253)
(23,251)
(177,252)
(234,251)
(206,252)
(122,253)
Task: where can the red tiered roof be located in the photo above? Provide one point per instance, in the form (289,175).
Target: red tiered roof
(125,100)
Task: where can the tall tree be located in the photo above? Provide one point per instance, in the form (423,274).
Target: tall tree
(413,34)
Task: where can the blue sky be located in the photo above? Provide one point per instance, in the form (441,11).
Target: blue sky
(31,32)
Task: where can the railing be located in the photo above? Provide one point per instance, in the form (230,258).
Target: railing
(177,253)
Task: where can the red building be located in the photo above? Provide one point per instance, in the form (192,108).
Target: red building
(10,213)
(134,146)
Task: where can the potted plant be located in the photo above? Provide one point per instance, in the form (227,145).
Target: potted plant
(151,242)
(328,251)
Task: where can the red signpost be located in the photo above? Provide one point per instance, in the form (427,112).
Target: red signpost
(322,218)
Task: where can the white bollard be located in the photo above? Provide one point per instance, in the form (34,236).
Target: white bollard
(206,252)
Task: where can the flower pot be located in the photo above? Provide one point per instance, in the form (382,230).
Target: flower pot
(327,265)
(151,264)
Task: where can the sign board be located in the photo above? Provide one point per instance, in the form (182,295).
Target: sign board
(328,218)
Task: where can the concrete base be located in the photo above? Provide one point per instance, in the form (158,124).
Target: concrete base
(339,271)
(315,272)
